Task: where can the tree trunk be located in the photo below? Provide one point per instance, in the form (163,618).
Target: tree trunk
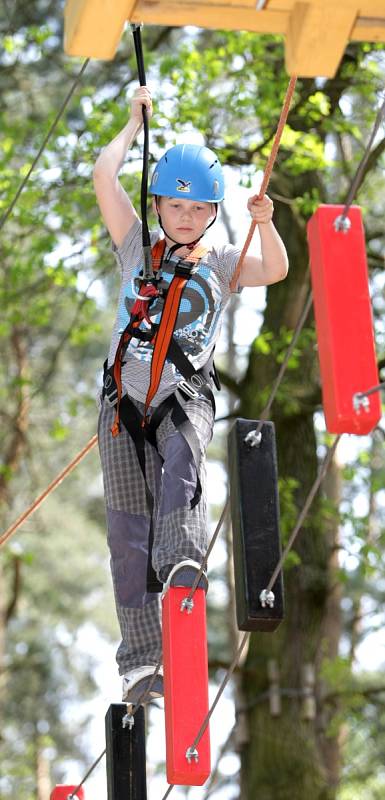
(43,780)
(287,756)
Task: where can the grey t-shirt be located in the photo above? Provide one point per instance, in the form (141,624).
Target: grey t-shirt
(199,319)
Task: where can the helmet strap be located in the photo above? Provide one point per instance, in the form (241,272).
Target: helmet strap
(177,245)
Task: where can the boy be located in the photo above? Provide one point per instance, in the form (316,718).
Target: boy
(154,487)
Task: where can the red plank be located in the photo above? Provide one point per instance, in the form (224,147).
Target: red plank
(344,321)
(63,792)
(185,686)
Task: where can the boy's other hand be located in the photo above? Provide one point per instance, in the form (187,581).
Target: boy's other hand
(142,97)
(261,211)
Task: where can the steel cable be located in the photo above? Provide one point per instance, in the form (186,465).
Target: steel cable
(59,114)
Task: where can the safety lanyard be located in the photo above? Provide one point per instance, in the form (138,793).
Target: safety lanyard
(148,272)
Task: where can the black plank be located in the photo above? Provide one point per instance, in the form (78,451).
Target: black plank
(126,755)
(255,521)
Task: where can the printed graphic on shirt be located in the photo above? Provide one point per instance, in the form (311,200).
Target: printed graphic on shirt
(198,312)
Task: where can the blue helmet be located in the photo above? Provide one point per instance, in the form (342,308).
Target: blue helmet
(190,171)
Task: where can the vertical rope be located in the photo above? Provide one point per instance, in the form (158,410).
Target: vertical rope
(267,176)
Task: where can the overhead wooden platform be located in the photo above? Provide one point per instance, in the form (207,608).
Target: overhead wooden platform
(316,31)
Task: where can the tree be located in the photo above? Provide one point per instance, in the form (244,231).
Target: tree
(55,331)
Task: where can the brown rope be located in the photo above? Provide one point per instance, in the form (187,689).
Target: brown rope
(39,500)
(267,176)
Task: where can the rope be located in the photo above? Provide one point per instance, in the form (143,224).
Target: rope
(39,500)
(221,689)
(209,549)
(373,390)
(91,769)
(304,512)
(267,175)
(263,416)
(360,169)
(48,136)
(285,362)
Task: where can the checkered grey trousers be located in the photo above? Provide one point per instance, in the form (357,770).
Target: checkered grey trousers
(179,531)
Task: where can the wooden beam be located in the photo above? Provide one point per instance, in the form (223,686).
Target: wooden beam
(206,15)
(369,29)
(316,38)
(93,28)
(363,8)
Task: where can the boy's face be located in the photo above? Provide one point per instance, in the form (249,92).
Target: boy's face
(184,220)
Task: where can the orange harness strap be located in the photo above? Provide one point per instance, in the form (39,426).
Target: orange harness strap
(167,325)
(163,335)
(157,255)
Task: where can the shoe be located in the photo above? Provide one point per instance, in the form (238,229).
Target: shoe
(184,574)
(135,683)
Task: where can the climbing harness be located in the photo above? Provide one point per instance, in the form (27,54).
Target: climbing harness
(160,335)
(194,383)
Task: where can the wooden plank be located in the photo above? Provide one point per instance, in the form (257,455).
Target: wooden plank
(255,521)
(93,28)
(346,345)
(126,755)
(64,791)
(186,701)
(314,45)
(203,15)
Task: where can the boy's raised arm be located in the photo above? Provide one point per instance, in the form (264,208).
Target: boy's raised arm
(115,206)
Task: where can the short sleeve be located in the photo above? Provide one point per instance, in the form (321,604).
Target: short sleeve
(228,257)
(130,251)
(131,245)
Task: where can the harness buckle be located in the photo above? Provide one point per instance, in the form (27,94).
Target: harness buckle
(188,390)
(110,391)
(193,385)
(183,269)
(137,283)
